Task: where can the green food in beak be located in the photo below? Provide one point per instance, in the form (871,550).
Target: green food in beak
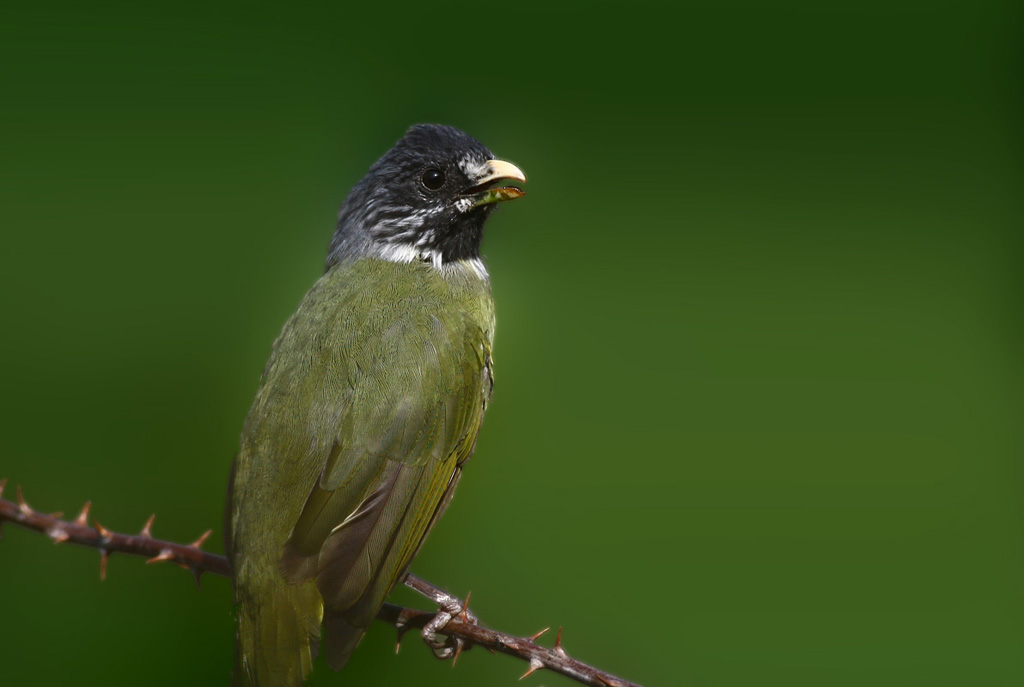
(486,191)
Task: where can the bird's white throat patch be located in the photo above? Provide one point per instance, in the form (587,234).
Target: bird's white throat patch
(405,253)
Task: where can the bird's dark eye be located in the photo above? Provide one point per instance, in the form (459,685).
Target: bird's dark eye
(433,179)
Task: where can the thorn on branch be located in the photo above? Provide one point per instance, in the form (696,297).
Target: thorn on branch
(402,625)
(104,557)
(147,529)
(104,532)
(559,649)
(27,510)
(534,637)
(83,517)
(58,534)
(22,506)
(198,543)
(164,555)
(458,651)
(535,665)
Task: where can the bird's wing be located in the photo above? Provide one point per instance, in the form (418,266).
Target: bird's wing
(406,394)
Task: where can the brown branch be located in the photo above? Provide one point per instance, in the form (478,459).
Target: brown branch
(461,627)
(78,531)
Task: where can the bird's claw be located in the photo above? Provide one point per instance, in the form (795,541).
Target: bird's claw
(442,647)
(448,647)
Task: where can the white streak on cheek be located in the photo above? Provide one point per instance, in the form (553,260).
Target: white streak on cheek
(413,220)
(472,167)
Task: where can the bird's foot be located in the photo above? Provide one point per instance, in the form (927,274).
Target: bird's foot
(448,647)
(449,608)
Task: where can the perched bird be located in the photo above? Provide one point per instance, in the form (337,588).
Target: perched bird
(368,407)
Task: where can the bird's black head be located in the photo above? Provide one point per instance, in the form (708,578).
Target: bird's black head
(426,199)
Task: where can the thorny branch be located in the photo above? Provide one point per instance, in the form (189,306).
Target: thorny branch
(461,627)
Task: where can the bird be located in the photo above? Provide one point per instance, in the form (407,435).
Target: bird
(368,408)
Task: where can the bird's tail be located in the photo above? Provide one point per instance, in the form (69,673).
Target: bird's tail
(278,634)
(343,636)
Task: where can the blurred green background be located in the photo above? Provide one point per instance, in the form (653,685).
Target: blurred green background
(758,415)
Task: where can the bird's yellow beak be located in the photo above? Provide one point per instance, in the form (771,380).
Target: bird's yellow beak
(485,191)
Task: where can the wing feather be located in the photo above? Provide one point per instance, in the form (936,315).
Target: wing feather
(369,404)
